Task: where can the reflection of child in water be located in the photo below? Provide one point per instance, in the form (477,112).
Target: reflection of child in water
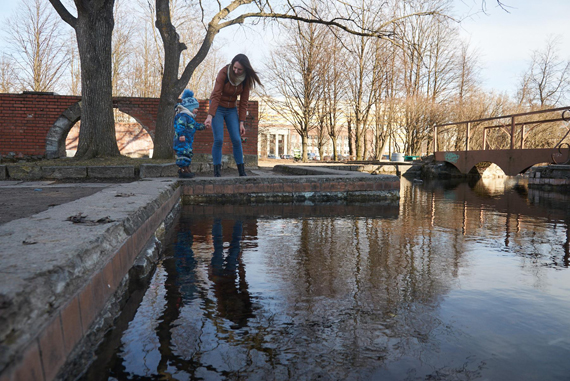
(228,276)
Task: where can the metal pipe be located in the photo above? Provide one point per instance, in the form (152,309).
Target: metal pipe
(513,132)
(435,139)
(509,116)
(467,133)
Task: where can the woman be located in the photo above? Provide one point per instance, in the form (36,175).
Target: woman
(235,79)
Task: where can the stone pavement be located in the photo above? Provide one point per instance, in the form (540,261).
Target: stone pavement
(20,199)
(59,267)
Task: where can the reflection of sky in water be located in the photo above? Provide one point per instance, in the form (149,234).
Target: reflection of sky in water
(464,284)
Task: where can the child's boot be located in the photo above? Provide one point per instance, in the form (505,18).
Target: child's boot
(185,173)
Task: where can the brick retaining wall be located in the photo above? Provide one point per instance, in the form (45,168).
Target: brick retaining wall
(26,120)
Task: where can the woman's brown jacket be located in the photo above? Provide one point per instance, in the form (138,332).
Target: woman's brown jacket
(225,94)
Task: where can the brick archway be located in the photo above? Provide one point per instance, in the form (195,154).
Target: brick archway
(37,124)
(55,139)
(140,109)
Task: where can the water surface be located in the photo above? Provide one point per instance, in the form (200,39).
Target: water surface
(457,281)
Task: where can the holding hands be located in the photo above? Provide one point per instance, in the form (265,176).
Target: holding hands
(208,121)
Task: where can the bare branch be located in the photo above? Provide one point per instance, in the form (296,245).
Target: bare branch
(64,13)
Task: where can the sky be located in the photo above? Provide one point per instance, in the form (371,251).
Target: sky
(504,40)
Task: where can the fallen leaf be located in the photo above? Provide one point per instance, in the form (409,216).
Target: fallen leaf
(124,194)
(104,220)
(77,219)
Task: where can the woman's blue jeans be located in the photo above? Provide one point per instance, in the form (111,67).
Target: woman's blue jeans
(230,116)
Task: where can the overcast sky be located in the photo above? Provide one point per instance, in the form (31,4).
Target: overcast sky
(504,40)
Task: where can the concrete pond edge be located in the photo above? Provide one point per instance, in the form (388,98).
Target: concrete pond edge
(65,269)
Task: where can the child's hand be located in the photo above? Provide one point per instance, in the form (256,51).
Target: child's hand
(208,121)
(182,138)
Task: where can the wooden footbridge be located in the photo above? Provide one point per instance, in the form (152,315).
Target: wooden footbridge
(515,132)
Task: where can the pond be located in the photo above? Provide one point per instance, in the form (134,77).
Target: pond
(457,281)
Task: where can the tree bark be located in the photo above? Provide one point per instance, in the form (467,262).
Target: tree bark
(94,28)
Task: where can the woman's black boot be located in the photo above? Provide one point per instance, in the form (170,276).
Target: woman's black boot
(241,169)
(217,170)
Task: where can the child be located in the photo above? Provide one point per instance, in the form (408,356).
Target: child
(184,129)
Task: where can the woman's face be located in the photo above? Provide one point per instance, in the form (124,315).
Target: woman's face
(237,68)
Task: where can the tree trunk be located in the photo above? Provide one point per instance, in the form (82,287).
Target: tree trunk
(171,85)
(350,149)
(335,154)
(304,139)
(164,122)
(358,138)
(94,29)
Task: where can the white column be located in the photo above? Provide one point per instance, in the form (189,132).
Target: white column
(285,144)
(277,145)
(267,144)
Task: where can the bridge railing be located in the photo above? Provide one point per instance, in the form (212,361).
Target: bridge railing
(514,125)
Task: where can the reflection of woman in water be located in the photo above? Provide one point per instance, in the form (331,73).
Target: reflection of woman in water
(228,276)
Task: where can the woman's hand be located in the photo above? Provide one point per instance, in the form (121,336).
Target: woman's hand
(208,121)
(182,138)
(241,128)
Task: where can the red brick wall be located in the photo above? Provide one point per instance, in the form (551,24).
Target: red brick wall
(203,140)
(25,120)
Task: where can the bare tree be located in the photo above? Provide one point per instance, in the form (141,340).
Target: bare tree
(296,86)
(145,65)
(343,15)
(36,38)
(93,28)
(333,82)
(94,25)
(8,76)
(146,57)
(74,84)
(466,101)
(385,87)
(321,130)
(428,64)
(547,80)
(121,47)
(361,78)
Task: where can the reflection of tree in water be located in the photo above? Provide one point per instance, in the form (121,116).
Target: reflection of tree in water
(512,219)
(362,292)
(342,296)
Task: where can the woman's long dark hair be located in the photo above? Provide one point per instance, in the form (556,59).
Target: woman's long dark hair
(251,78)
